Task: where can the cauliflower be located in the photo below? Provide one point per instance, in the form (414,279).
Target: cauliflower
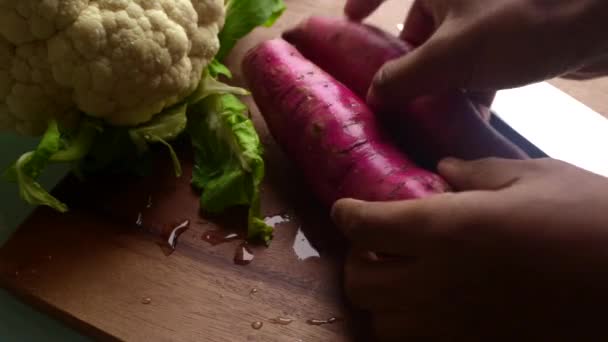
(103,80)
(122,61)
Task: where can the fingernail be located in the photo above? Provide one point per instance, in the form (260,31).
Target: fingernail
(449,164)
(341,213)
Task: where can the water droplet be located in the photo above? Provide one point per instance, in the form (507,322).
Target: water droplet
(273,221)
(243,255)
(257,325)
(216,237)
(171,235)
(140,219)
(281,320)
(400,27)
(146,300)
(302,247)
(172,240)
(149,203)
(253,291)
(322,321)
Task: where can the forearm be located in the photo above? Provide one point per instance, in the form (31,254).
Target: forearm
(586,22)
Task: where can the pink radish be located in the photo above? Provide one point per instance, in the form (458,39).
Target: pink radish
(433,127)
(351,52)
(329,132)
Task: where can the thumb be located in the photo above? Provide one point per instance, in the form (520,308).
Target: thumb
(414,227)
(482,174)
(359,9)
(429,69)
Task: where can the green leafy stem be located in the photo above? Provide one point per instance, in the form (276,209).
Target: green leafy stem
(229,164)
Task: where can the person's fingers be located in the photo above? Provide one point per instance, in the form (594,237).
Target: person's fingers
(360,9)
(429,69)
(449,296)
(432,323)
(415,227)
(367,281)
(596,67)
(482,174)
(435,299)
(483,101)
(419,24)
(400,326)
(484,98)
(411,283)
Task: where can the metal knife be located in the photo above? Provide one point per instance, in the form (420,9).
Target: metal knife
(545,121)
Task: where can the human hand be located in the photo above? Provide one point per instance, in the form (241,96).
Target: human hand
(521,252)
(483,46)
(593,69)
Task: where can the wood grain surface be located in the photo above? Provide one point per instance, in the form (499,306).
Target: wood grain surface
(593,93)
(104,274)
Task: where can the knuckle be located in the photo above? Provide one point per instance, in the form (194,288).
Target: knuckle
(534,166)
(550,162)
(346,214)
(486,162)
(475,170)
(554,165)
(482,167)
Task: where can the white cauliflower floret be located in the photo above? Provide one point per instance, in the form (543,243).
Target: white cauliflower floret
(25,21)
(30,92)
(120,60)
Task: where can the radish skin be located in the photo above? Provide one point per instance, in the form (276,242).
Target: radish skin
(351,52)
(431,127)
(329,132)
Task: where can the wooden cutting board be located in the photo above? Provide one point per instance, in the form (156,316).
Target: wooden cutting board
(107,276)
(100,267)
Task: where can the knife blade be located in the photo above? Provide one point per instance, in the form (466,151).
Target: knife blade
(556,124)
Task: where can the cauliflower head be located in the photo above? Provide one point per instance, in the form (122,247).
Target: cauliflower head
(122,61)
